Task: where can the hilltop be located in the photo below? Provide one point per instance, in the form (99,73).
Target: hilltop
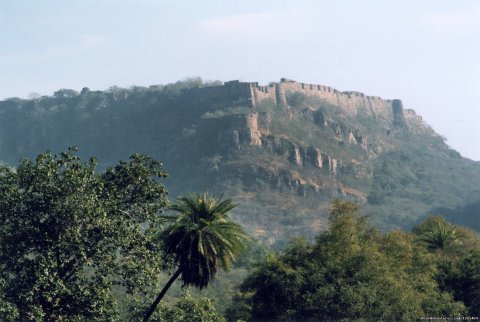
(283,151)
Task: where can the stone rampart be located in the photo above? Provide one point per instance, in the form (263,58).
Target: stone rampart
(250,94)
(349,101)
(240,129)
(233,92)
(398,113)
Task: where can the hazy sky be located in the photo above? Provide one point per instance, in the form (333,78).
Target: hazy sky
(426,53)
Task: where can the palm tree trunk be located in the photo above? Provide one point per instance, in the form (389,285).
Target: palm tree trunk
(161,295)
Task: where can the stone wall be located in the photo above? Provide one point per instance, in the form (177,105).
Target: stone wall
(262,93)
(411,115)
(398,114)
(250,94)
(240,129)
(230,93)
(254,136)
(350,102)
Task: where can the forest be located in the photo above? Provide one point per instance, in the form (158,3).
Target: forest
(78,243)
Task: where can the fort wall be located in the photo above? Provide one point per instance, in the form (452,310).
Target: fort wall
(262,93)
(240,129)
(398,114)
(233,92)
(351,102)
(250,94)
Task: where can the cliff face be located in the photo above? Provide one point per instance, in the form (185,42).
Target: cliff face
(282,151)
(296,146)
(388,114)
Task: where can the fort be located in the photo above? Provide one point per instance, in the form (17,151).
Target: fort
(251,94)
(244,128)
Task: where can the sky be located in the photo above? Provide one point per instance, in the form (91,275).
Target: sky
(426,53)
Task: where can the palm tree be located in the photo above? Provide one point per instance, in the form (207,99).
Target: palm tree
(201,239)
(439,236)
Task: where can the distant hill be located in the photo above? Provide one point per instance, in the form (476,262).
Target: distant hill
(283,151)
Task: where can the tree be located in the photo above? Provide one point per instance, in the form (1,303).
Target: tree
(190,309)
(8,310)
(200,239)
(351,272)
(458,267)
(467,282)
(69,234)
(65,93)
(438,234)
(462,278)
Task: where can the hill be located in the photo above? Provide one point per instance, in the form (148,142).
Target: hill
(283,151)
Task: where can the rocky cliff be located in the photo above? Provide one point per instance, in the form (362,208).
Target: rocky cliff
(282,151)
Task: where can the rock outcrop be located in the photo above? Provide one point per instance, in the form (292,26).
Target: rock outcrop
(282,151)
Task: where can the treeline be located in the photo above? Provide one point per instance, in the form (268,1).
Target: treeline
(354,272)
(80,244)
(108,124)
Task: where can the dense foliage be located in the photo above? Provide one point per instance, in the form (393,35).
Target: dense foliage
(183,307)
(70,235)
(190,309)
(354,272)
(78,244)
(457,250)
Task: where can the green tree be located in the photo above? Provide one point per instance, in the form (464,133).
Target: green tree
(461,277)
(190,309)
(65,93)
(436,233)
(466,283)
(70,234)
(351,272)
(200,239)
(8,310)
(458,267)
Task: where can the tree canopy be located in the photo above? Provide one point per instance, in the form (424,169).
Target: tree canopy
(77,244)
(71,234)
(188,309)
(200,240)
(351,272)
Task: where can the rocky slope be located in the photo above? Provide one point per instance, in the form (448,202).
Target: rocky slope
(282,151)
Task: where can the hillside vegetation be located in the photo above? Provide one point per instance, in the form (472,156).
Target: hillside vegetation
(79,244)
(284,161)
(82,243)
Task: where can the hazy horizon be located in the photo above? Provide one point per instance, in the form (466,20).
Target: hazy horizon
(424,53)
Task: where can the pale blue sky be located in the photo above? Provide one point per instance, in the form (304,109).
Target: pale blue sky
(425,52)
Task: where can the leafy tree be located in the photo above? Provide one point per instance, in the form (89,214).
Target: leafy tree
(459,264)
(69,234)
(190,309)
(200,239)
(240,308)
(8,310)
(467,282)
(461,277)
(351,272)
(65,93)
